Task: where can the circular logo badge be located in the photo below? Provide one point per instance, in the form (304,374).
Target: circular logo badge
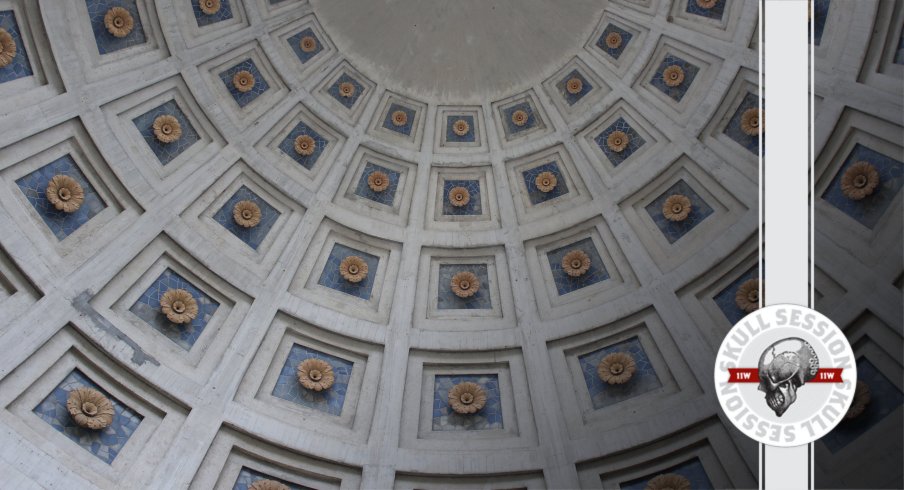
(785,375)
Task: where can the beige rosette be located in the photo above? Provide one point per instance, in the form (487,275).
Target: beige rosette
(353,269)
(459,196)
(308,44)
(673,76)
(617,141)
(467,397)
(465,284)
(8,48)
(748,295)
(305,145)
(167,128)
(546,181)
(246,214)
(668,481)
(520,117)
(399,118)
(89,408)
(616,368)
(179,306)
(210,7)
(65,193)
(267,485)
(243,81)
(576,263)
(461,127)
(118,22)
(315,374)
(613,40)
(706,4)
(859,180)
(378,181)
(752,122)
(676,207)
(574,85)
(346,89)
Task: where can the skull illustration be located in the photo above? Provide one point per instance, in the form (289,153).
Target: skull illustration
(784,367)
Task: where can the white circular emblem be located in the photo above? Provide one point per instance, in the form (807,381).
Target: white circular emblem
(785,375)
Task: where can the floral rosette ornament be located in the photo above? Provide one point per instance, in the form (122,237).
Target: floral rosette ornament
(167,128)
(613,40)
(179,306)
(461,127)
(308,44)
(673,76)
(118,22)
(859,181)
(65,193)
(546,181)
(576,263)
(353,269)
(465,284)
(676,208)
(574,85)
(459,196)
(268,485)
(748,296)
(346,89)
(305,145)
(668,481)
(520,117)
(399,118)
(89,408)
(862,398)
(246,214)
(243,81)
(752,122)
(617,141)
(467,398)
(209,7)
(8,48)
(315,374)
(378,181)
(616,368)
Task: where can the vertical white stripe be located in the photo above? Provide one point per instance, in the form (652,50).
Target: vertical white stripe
(786,190)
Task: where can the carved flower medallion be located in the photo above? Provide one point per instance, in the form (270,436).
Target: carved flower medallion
(747,298)
(89,408)
(167,128)
(118,22)
(179,306)
(467,398)
(859,180)
(576,263)
(676,207)
(616,368)
(353,269)
(315,374)
(65,193)
(465,284)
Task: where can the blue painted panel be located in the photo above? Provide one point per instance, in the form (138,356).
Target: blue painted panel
(725,299)
(106,42)
(673,230)
(635,141)
(247,476)
(446,419)
(254,236)
(105,443)
(348,102)
(19,67)
(614,52)
(468,137)
(530,180)
(603,394)
(404,129)
(331,278)
(288,145)
(869,210)
(569,97)
(166,152)
(260,84)
(473,208)
(34,186)
(692,469)
(329,401)
(387,196)
(820,15)
(225,13)
(678,92)
(148,309)
(295,44)
(733,129)
(449,301)
(511,128)
(715,12)
(566,284)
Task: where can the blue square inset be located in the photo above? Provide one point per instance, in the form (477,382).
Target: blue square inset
(603,394)
(820,14)
(618,50)
(725,299)
(386,196)
(635,141)
(247,476)
(166,152)
(691,469)
(19,67)
(105,443)
(690,72)
(330,400)
(62,224)
(452,137)
(148,309)
(714,12)
(447,419)
(569,97)
(885,398)
(513,129)
(404,129)
(566,284)
(530,181)
(350,100)
(251,236)
(733,128)
(449,301)
(106,42)
(472,208)
(295,44)
(288,145)
(899,52)
(673,230)
(869,210)
(331,278)
(244,98)
(224,13)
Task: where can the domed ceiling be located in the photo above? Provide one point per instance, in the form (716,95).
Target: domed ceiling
(411,244)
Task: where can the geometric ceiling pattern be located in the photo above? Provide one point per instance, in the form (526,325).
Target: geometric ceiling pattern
(293,244)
